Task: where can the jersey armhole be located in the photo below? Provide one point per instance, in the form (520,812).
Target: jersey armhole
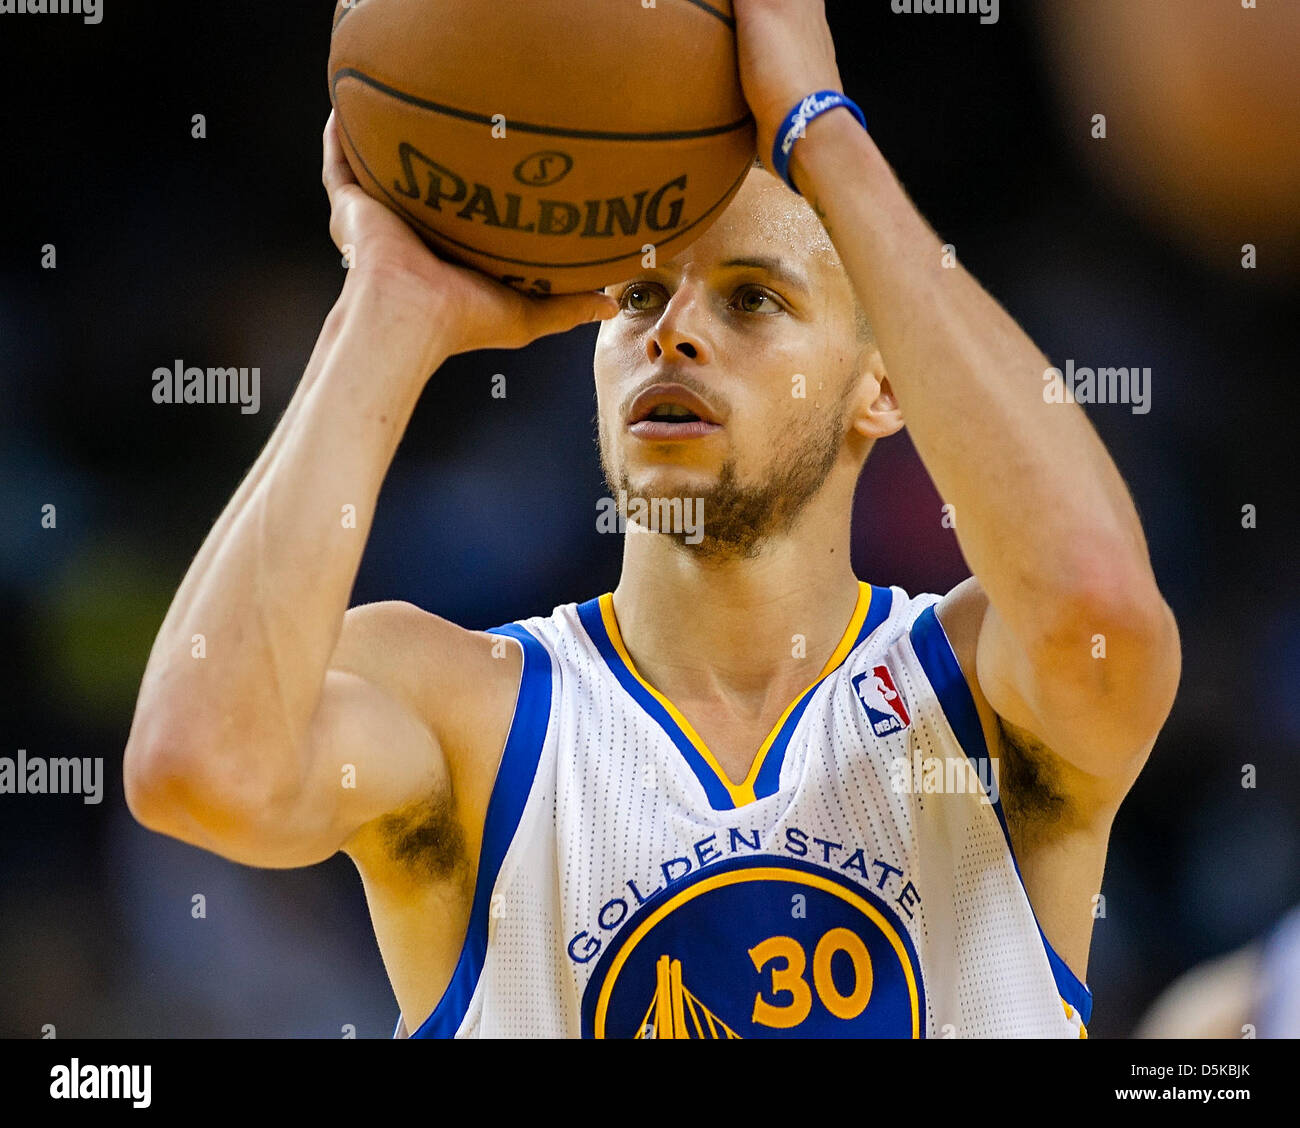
(935,654)
(510,791)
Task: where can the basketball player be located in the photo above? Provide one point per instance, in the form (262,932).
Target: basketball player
(744,794)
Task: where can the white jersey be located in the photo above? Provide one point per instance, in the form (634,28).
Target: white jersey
(859,882)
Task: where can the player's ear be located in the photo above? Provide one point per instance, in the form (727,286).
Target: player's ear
(875,412)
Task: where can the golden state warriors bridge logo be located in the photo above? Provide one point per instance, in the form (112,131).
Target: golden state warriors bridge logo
(758,948)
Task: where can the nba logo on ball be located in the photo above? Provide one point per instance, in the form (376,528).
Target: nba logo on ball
(882,701)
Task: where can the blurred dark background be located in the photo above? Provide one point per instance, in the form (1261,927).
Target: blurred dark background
(1125,251)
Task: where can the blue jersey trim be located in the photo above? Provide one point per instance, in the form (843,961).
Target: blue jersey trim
(768,780)
(769,776)
(935,653)
(719,798)
(882,602)
(510,793)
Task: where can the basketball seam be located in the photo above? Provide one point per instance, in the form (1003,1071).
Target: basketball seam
(415,219)
(530,127)
(726,19)
(701,4)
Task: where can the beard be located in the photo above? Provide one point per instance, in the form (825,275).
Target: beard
(738,519)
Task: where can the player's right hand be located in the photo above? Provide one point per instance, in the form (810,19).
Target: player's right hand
(477,312)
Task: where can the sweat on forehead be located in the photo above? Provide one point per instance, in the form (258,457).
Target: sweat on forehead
(765,206)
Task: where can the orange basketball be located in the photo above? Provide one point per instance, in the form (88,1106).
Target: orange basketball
(548,143)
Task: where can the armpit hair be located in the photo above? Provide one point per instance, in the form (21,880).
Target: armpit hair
(426,839)
(1031,793)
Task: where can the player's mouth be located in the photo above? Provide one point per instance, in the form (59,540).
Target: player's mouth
(667,412)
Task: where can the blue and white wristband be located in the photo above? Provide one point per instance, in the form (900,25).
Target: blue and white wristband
(796,124)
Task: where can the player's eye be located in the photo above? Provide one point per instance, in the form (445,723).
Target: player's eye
(638,298)
(748,297)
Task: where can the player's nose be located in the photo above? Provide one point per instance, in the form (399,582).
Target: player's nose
(681,332)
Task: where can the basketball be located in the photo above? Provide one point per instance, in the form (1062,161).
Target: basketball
(548,144)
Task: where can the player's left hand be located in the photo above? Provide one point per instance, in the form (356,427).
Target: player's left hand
(786,53)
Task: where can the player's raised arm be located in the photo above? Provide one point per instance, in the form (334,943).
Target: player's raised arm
(1042,514)
(238,739)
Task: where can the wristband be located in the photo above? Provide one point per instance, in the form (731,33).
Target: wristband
(796,123)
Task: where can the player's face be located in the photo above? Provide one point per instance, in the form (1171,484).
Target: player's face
(725,373)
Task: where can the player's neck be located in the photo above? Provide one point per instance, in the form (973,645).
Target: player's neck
(745,628)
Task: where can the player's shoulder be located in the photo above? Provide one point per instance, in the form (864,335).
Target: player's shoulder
(448,674)
(570,636)
(943,633)
(923,646)
(454,674)
(893,613)
(401,636)
(961,613)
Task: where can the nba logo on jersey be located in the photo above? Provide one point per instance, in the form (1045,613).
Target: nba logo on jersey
(882,701)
